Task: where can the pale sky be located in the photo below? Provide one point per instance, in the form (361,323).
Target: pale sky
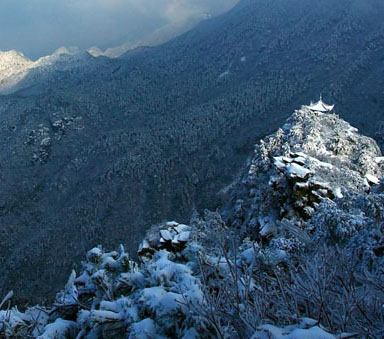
(38,27)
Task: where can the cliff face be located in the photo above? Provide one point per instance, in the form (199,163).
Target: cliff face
(300,239)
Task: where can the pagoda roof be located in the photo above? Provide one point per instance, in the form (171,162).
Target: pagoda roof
(321,106)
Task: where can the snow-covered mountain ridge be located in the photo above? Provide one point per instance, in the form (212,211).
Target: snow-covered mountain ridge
(301,239)
(14,66)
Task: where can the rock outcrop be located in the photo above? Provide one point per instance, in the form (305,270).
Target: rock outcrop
(314,157)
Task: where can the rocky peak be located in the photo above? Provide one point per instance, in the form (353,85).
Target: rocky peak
(321,141)
(67,50)
(13,55)
(12,63)
(15,68)
(95,51)
(314,157)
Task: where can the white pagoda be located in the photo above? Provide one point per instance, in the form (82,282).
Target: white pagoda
(321,106)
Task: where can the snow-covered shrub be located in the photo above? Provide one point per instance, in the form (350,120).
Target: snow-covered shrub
(28,324)
(339,293)
(115,297)
(335,225)
(147,297)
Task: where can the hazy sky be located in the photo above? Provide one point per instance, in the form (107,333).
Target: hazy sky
(38,27)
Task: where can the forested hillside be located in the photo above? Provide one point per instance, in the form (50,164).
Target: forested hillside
(296,253)
(95,154)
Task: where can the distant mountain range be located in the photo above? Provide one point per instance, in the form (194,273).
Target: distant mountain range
(15,67)
(94,149)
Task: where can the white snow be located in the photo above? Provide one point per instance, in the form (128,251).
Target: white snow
(279,163)
(14,66)
(59,329)
(302,185)
(12,318)
(161,301)
(180,228)
(102,316)
(291,332)
(297,171)
(184,236)
(320,106)
(166,235)
(95,252)
(311,333)
(372,179)
(144,329)
(337,193)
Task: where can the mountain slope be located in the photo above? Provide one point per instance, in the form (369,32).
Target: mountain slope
(13,65)
(192,281)
(18,72)
(95,153)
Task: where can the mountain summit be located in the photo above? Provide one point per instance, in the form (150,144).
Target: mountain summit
(13,64)
(301,244)
(314,156)
(18,72)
